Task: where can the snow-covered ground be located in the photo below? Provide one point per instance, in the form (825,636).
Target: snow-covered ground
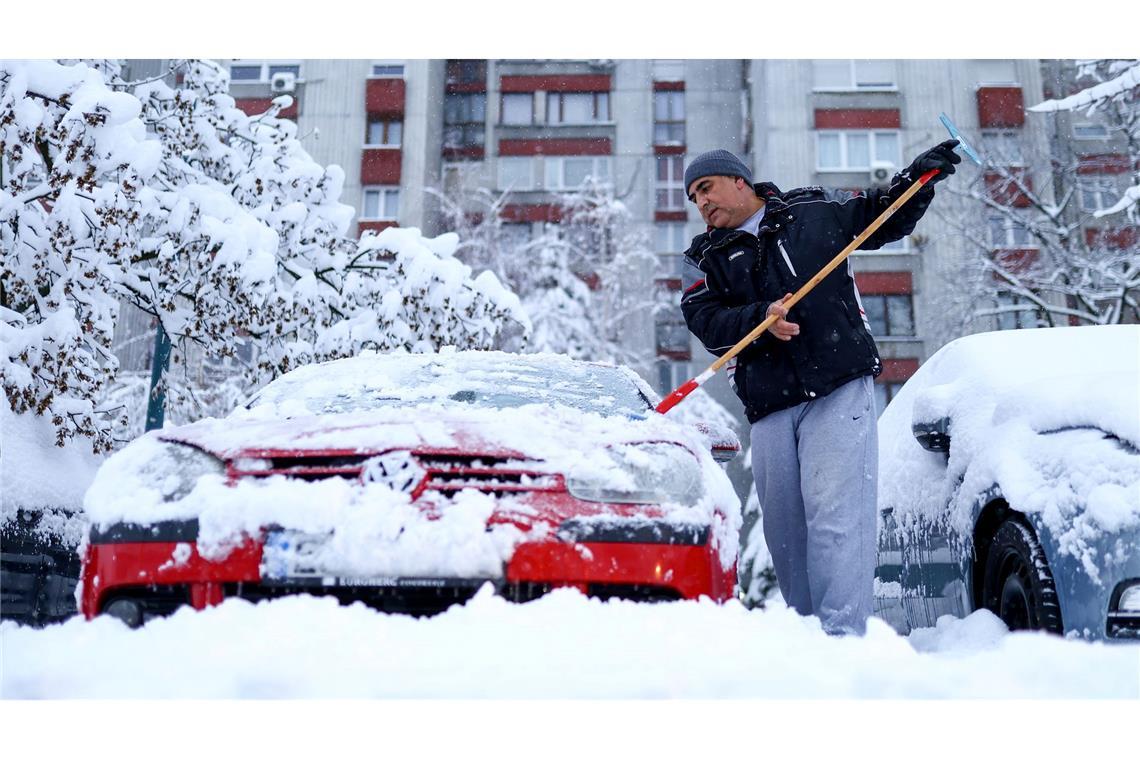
(561,646)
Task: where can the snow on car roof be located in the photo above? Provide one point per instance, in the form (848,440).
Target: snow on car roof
(1029,411)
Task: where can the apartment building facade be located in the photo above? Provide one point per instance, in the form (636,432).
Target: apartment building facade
(539,127)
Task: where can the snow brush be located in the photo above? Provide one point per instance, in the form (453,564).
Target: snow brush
(688,387)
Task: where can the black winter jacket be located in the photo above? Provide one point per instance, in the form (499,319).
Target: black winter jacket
(731,276)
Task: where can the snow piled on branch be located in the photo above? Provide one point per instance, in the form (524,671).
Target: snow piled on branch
(218,225)
(1093,97)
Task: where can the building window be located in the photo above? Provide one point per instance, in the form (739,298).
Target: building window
(387,133)
(891,316)
(253,72)
(577,107)
(381,203)
(997,72)
(854,150)
(672,242)
(857,74)
(1017,313)
(1003,146)
(672,333)
(461,71)
(884,392)
(1005,232)
(671,374)
(570,172)
(388,70)
(1090,132)
(518,108)
(464,117)
(516,173)
(1097,196)
(670,184)
(669,117)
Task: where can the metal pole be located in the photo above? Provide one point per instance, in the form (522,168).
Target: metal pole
(156,399)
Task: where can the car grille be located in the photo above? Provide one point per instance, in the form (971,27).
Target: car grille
(417,601)
(445,473)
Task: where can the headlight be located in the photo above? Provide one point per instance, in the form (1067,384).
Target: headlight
(642,473)
(176,470)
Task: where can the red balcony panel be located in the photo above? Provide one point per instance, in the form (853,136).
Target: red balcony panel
(384,97)
(1005,190)
(556,83)
(1000,107)
(363,227)
(258,106)
(898,370)
(669,150)
(593,280)
(380,166)
(670,216)
(677,356)
(668,86)
(884,283)
(857,118)
(521,212)
(1015,260)
(557,146)
(669,283)
(1114,238)
(1104,163)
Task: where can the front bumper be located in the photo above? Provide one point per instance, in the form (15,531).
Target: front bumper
(160,568)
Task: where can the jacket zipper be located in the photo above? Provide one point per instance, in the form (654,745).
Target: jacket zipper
(787,259)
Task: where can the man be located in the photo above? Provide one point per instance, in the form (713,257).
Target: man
(806,385)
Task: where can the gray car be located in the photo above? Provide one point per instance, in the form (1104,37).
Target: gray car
(1010,481)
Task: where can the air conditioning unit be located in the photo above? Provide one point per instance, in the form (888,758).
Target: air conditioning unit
(283,81)
(881,173)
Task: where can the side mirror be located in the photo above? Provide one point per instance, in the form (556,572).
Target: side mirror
(933,436)
(722,441)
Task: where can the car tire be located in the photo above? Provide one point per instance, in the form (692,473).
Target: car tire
(1018,586)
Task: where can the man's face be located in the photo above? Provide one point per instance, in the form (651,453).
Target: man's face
(724,202)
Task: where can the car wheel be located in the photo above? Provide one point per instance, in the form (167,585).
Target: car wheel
(1018,586)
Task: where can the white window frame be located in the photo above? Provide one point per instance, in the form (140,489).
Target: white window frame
(908,298)
(991,65)
(554,171)
(502,162)
(503,109)
(1009,225)
(387,128)
(555,100)
(1096,189)
(844,134)
(384,191)
(393,62)
(669,184)
(1004,135)
(266,66)
(853,79)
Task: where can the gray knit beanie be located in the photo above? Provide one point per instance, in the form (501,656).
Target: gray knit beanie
(713,163)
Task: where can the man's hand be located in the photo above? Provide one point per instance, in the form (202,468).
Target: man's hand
(941,157)
(781,328)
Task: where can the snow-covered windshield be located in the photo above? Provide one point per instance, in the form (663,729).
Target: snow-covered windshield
(482,379)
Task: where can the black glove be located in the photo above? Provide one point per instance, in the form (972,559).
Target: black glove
(941,157)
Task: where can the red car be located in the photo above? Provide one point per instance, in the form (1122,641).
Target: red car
(408,481)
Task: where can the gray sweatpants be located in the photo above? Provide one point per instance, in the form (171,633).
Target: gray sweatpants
(816,471)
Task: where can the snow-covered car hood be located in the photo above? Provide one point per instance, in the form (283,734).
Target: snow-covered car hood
(1048,417)
(536,432)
